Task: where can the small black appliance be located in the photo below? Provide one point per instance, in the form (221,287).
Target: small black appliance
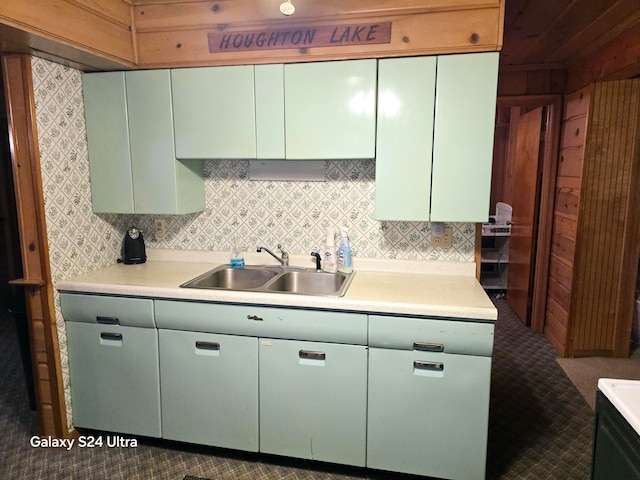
(133,251)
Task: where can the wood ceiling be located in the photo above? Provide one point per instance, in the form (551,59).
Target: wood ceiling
(561,33)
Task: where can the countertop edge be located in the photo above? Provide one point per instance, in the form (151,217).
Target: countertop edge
(608,387)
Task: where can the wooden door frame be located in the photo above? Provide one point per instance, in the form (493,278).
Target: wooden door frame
(34,248)
(547,196)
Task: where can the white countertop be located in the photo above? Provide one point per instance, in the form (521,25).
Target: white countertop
(425,288)
(625,396)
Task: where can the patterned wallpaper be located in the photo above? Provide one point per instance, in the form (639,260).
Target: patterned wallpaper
(295,214)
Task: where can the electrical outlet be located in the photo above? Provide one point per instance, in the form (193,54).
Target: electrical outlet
(161,229)
(443,241)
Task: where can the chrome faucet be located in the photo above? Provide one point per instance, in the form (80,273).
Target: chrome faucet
(284,259)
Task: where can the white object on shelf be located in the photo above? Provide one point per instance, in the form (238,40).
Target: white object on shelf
(495,249)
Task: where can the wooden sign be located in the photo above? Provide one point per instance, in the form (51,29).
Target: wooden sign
(300,37)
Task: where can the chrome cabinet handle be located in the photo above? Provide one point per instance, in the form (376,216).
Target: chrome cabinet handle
(111,336)
(434,366)
(108,320)
(428,347)
(254,317)
(207,345)
(308,354)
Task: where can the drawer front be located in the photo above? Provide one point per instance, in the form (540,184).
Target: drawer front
(132,312)
(300,324)
(430,335)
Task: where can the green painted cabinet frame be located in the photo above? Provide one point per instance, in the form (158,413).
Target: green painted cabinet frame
(435,137)
(131,146)
(313,399)
(330,109)
(219,375)
(214,112)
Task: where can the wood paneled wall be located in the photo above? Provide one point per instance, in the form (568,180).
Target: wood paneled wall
(83,32)
(514,81)
(174,33)
(618,60)
(565,219)
(595,243)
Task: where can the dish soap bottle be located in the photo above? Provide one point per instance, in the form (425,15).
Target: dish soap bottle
(237,259)
(344,252)
(329,264)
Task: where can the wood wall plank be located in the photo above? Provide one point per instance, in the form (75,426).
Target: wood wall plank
(89,26)
(608,208)
(620,59)
(179,15)
(573,132)
(416,34)
(571,162)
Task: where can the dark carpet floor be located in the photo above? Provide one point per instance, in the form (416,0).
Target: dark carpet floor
(540,428)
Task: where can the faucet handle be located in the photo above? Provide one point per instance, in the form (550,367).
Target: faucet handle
(318,261)
(284,254)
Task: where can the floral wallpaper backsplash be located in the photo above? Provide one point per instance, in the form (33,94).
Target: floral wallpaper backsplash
(293,213)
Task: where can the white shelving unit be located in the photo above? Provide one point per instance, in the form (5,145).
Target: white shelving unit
(495,250)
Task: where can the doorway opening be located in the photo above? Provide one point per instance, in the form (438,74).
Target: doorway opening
(524,173)
(12,301)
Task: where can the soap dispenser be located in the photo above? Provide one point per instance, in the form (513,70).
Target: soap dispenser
(344,252)
(237,259)
(330,264)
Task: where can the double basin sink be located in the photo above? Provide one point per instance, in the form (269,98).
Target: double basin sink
(273,279)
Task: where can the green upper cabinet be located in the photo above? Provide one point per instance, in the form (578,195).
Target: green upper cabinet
(463,137)
(214,112)
(406,94)
(131,146)
(435,137)
(269,91)
(105,109)
(330,109)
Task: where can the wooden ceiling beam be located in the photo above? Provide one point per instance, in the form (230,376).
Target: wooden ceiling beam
(584,28)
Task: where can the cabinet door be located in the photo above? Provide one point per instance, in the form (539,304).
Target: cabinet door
(313,400)
(209,389)
(428,413)
(463,137)
(406,95)
(105,109)
(115,382)
(214,112)
(330,109)
(269,88)
(162,185)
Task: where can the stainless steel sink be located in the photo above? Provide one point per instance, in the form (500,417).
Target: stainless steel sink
(309,283)
(273,279)
(229,278)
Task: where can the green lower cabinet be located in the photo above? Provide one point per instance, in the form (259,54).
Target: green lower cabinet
(209,389)
(313,400)
(428,413)
(114,378)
